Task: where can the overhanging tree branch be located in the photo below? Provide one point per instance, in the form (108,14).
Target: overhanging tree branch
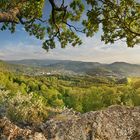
(114,15)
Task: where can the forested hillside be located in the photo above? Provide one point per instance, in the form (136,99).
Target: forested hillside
(118,69)
(35,98)
(21,69)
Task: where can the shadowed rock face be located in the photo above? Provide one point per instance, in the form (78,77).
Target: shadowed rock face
(114,123)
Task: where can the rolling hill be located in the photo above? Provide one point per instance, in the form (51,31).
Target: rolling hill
(79,67)
(21,69)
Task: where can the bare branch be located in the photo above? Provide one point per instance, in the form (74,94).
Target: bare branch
(71,26)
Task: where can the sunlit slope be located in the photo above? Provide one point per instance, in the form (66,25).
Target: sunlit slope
(79,67)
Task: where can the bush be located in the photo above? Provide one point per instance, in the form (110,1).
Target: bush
(24,107)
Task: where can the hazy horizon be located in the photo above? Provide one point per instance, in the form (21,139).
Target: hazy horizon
(20,45)
(6,60)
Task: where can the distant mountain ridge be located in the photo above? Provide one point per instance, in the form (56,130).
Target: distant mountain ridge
(80,67)
(20,68)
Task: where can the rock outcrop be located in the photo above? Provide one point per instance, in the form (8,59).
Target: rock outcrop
(10,131)
(113,123)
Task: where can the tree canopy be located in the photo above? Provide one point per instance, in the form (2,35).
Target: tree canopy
(63,23)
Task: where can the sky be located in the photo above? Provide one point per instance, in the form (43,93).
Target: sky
(20,45)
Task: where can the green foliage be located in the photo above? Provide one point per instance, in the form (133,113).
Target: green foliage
(119,19)
(24,107)
(34,98)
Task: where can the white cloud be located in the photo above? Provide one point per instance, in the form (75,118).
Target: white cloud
(92,49)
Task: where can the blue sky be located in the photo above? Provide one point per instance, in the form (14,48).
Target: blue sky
(22,46)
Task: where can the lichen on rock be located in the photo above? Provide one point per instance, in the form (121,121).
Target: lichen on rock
(113,123)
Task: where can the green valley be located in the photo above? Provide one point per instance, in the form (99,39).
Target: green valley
(33,98)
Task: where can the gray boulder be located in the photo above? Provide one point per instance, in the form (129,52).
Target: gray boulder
(113,123)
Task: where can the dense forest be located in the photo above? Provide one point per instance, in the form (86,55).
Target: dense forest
(34,98)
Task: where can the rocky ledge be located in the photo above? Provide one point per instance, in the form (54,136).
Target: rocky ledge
(113,123)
